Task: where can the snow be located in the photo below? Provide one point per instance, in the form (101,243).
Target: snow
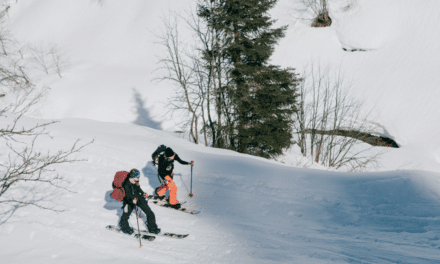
(253,210)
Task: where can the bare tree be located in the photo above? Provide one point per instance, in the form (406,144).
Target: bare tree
(59,61)
(40,57)
(332,126)
(179,70)
(200,76)
(24,165)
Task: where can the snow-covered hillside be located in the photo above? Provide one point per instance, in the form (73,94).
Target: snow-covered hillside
(113,54)
(395,67)
(253,210)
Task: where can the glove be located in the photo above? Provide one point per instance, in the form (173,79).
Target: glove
(146,196)
(192,163)
(135,200)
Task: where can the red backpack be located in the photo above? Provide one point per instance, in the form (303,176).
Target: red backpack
(118,191)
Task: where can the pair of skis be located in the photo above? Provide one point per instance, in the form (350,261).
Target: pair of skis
(164,203)
(145,235)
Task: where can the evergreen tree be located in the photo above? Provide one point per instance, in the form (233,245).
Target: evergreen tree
(263,95)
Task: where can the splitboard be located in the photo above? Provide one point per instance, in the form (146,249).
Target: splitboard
(172,235)
(164,203)
(143,236)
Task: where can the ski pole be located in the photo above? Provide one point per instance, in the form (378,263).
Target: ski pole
(139,232)
(191,188)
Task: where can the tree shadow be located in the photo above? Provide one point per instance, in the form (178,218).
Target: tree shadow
(143,114)
(31,196)
(7,214)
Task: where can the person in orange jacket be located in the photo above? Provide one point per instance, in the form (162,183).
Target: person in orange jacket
(165,170)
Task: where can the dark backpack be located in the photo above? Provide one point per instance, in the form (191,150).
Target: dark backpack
(118,192)
(158,152)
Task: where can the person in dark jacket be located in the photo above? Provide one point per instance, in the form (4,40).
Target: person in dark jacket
(135,196)
(165,170)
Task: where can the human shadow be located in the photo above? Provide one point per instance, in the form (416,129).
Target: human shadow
(143,114)
(112,204)
(181,179)
(150,172)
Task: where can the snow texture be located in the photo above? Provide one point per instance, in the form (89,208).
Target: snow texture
(252,210)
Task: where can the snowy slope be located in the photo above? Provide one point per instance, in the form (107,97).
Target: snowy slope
(113,54)
(110,45)
(253,210)
(397,73)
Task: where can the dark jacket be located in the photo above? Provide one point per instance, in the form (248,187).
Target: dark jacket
(166,166)
(132,191)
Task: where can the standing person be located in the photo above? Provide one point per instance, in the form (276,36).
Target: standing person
(165,170)
(134,196)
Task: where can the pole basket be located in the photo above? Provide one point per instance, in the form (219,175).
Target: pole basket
(191,195)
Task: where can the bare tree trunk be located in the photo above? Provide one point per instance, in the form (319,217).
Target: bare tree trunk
(180,72)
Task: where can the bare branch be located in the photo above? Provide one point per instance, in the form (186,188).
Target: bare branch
(24,166)
(331,124)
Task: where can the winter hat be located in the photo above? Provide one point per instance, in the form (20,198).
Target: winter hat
(169,152)
(134,173)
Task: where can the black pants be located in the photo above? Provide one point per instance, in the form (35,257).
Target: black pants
(143,205)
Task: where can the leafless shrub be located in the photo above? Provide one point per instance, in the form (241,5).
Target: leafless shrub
(46,58)
(317,12)
(59,61)
(319,8)
(332,126)
(40,58)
